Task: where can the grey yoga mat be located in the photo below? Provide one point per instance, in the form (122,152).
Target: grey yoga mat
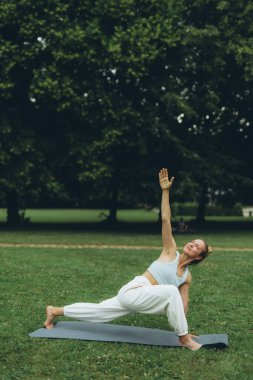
(105,332)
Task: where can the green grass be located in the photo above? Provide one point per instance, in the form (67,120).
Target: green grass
(83,215)
(86,227)
(69,216)
(220,302)
(241,239)
(31,278)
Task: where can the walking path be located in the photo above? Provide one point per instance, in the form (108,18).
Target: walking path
(107,246)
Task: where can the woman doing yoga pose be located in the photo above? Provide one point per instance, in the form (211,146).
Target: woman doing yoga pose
(162,289)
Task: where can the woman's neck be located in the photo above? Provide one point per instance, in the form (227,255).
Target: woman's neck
(184,260)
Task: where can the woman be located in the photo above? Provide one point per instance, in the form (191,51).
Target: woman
(162,289)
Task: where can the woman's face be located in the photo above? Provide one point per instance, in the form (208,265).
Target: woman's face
(194,248)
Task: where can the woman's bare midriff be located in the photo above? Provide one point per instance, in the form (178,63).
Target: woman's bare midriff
(151,279)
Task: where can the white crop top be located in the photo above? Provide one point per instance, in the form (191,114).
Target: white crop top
(166,273)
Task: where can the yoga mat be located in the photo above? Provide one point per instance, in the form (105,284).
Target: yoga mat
(105,332)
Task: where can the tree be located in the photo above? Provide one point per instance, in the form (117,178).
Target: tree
(216,84)
(23,151)
(101,69)
(108,91)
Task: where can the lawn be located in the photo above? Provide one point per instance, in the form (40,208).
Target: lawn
(64,216)
(83,215)
(32,277)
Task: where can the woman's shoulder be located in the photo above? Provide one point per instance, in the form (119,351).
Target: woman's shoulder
(168,255)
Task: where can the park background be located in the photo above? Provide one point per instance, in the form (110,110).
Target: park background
(96,97)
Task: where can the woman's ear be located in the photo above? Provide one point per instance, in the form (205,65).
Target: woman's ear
(199,257)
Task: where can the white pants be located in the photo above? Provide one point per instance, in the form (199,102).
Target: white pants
(138,296)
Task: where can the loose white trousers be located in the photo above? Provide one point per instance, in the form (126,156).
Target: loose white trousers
(138,296)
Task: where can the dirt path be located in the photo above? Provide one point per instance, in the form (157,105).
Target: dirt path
(107,246)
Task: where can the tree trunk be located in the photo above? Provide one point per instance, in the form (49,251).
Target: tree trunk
(13,217)
(201,211)
(114,200)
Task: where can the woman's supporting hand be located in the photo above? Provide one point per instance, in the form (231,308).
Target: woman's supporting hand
(165,183)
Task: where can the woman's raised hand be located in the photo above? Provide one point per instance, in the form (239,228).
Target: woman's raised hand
(165,183)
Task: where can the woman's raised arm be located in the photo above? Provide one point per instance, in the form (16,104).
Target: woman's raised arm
(169,245)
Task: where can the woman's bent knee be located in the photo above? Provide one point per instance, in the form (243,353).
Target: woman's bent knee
(123,299)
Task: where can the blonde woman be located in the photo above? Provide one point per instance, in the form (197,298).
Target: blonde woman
(162,289)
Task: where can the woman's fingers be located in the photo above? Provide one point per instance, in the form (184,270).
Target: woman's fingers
(164,174)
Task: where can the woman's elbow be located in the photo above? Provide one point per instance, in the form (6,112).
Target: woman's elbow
(166,219)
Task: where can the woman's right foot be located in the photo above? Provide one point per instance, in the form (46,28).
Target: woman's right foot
(188,342)
(48,324)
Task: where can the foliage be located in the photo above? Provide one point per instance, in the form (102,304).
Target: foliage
(97,96)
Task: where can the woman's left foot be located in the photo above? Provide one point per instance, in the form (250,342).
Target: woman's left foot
(48,324)
(188,342)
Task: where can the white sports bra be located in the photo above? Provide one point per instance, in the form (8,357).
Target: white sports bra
(166,273)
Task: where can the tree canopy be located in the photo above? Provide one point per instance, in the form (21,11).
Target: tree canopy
(96,96)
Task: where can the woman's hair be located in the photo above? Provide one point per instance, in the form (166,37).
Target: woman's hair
(204,254)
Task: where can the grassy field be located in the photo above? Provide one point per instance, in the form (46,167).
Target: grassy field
(64,216)
(83,215)
(32,277)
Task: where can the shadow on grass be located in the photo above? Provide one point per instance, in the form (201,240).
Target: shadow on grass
(140,227)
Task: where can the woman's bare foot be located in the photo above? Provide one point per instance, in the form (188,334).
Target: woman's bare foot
(48,324)
(187,341)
